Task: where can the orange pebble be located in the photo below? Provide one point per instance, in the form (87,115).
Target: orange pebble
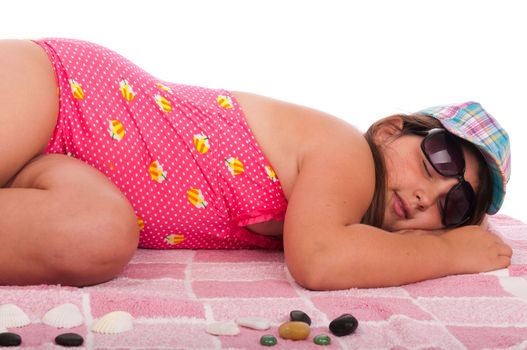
(294,330)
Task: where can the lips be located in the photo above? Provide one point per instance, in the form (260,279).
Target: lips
(399,207)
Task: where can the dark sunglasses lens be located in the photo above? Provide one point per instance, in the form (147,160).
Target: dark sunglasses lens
(444,153)
(458,205)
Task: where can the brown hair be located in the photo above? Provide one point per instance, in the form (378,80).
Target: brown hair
(418,125)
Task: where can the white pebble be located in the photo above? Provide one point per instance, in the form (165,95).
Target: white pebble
(222,328)
(254,322)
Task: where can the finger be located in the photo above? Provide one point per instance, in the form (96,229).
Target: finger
(504,261)
(505,250)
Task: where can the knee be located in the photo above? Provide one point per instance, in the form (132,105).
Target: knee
(103,244)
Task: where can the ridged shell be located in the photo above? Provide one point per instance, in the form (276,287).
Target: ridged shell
(114,322)
(12,316)
(64,316)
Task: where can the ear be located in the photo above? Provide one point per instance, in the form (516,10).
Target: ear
(387,130)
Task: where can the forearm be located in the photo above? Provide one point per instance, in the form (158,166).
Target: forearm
(364,256)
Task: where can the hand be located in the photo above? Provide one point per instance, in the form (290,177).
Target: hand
(474,249)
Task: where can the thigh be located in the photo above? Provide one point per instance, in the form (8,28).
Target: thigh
(28,104)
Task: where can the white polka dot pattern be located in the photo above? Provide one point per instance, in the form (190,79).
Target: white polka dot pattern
(184,156)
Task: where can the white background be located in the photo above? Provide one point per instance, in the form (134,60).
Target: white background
(358,60)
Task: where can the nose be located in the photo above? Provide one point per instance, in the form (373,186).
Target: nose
(428,195)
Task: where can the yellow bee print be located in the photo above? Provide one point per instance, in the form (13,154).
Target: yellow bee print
(140,223)
(163,87)
(234,165)
(224,101)
(163,103)
(156,172)
(116,130)
(201,142)
(126,90)
(270,172)
(195,197)
(174,239)
(76,90)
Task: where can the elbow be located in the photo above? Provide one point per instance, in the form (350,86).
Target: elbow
(303,270)
(308,280)
(316,275)
(321,272)
(320,281)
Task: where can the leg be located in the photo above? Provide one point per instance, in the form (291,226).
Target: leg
(28,104)
(62,221)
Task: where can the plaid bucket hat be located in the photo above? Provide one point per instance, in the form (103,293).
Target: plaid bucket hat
(471,122)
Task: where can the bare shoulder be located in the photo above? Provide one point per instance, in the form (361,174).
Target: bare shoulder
(300,140)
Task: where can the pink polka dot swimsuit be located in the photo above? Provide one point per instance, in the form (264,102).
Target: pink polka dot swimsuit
(184,156)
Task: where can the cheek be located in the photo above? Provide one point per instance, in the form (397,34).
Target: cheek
(402,175)
(430,220)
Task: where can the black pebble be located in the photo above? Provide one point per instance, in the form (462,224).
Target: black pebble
(343,325)
(10,339)
(69,339)
(297,315)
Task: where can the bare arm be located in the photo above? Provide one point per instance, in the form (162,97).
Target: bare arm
(327,248)
(364,256)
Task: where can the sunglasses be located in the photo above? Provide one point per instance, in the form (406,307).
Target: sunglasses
(445,154)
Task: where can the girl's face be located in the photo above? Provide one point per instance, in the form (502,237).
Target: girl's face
(414,189)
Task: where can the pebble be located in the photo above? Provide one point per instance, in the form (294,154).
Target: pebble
(294,330)
(69,339)
(222,328)
(322,339)
(343,325)
(301,316)
(10,339)
(268,340)
(254,322)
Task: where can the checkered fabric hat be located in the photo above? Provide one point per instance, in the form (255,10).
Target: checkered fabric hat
(472,123)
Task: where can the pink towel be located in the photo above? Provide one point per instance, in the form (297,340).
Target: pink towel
(173,295)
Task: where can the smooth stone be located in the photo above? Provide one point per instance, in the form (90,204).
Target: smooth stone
(69,339)
(10,339)
(294,330)
(258,323)
(322,339)
(268,340)
(301,316)
(343,325)
(222,328)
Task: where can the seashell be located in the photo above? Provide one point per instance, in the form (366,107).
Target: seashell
(114,322)
(11,316)
(254,322)
(63,316)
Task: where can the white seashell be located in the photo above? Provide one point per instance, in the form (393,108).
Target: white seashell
(114,322)
(254,322)
(12,316)
(222,328)
(64,316)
